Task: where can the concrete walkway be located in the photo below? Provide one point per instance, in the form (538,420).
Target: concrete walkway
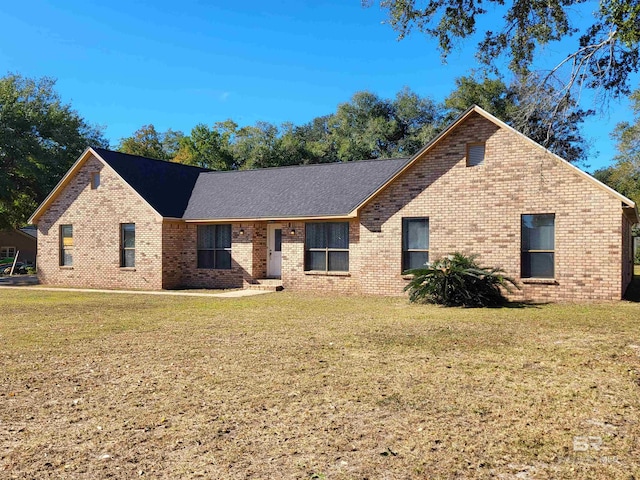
(178,293)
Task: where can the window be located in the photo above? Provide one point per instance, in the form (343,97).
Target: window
(214,246)
(277,240)
(7,252)
(66,245)
(95,180)
(127,244)
(327,247)
(415,242)
(475,154)
(538,245)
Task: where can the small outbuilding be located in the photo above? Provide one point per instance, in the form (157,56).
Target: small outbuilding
(20,241)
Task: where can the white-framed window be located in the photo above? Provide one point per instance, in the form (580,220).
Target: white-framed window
(415,243)
(7,252)
(66,245)
(127,244)
(538,246)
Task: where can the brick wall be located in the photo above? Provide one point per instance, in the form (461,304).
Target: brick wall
(259,239)
(96,216)
(173,252)
(248,257)
(294,277)
(627,253)
(478,209)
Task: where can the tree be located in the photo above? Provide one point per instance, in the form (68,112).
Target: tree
(40,138)
(318,144)
(371,127)
(170,141)
(529,109)
(147,142)
(209,147)
(257,146)
(491,94)
(624,175)
(292,146)
(604,56)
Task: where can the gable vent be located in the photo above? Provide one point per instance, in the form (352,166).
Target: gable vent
(475,154)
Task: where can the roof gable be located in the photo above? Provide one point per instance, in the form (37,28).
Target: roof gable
(628,203)
(165,186)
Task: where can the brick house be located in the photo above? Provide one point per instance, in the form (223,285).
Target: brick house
(121,221)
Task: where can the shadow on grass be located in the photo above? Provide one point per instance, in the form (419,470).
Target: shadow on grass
(633,290)
(522,305)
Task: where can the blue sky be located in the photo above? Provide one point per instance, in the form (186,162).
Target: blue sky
(124,64)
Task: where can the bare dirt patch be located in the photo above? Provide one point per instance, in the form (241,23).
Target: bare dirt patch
(293,386)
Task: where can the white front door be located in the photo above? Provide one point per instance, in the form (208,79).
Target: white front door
(274,250)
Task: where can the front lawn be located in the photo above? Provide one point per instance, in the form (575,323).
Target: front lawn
(297,386)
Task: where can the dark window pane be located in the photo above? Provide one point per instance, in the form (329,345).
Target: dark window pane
(537,265)
(67,258)
(206,236)
(316,261)
(223,236)
(338,261)
(67,230)
(476,155)
(538,232)
(416,234)
(278,240)
(315,235)
(415,260)
(129,235)
(223,259)
(205,259)
(338,235)
(128,258)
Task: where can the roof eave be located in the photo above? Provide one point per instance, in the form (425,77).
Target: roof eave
(64,181)
(598,183)
(476,109)
(444,133)
(82,159)
(285,218)
(26,235)
(631,212)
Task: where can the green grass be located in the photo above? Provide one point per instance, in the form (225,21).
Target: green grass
(299,386)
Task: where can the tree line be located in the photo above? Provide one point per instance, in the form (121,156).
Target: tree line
(41,137)
(367,126)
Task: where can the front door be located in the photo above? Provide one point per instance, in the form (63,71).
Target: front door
(274,251)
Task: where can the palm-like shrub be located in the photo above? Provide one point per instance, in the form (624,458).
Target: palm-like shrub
(458,281)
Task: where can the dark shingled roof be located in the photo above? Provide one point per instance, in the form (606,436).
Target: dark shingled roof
(330,189)
(166,186)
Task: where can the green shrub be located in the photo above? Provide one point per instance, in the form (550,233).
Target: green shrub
(636,257)
(458,281)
